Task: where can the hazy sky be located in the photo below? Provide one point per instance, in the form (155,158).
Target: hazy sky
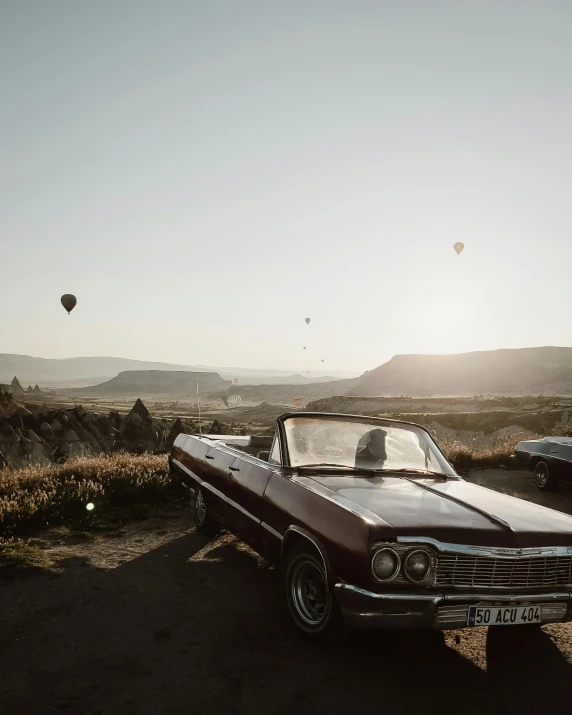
(203,175)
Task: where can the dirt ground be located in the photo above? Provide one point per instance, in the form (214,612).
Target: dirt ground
(153,619)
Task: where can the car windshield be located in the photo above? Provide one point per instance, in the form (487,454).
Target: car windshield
(369,444)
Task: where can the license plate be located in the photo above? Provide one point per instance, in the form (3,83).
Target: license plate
(503,615)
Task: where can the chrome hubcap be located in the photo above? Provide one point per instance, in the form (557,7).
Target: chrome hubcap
(541,475)
(200,507)
(309,592)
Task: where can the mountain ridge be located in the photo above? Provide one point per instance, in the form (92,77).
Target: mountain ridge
(149,382)
(502,371)
(37,369)
(506,371)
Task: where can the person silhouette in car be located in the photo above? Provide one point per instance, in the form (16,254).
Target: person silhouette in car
(371,450)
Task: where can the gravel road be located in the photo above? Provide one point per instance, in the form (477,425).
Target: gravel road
(154,619)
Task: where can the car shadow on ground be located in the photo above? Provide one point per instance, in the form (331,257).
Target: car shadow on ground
(200,627)
(528,672)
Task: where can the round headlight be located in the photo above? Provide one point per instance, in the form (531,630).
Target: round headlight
(385,564)
(417,565)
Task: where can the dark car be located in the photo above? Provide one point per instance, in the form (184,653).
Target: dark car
(372,527)
(550,458)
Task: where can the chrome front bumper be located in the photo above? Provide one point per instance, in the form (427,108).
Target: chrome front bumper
(364,609)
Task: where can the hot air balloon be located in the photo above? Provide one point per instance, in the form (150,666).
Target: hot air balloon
(234,400)
(322,359)
(69,302)
(459,247)
(235,380)
(307,320)
(304,347)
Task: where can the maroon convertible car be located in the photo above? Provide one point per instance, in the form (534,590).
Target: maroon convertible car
(373,527)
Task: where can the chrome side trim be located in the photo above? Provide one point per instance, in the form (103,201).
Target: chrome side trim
(309,538)
(431,598)
(215,491)
(243,510)
(368,516)
(183,440)
(477,510)
(232,503)
(497,551)
(272,531)
(250,458)
(188,471)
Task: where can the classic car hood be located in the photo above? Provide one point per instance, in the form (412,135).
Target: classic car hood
(453,511)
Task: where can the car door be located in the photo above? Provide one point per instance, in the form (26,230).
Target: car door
(216,484)
(205,462)
(553,451)
(191,452)
(248,479)
(557,459)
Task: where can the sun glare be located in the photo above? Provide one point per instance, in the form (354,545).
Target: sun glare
(448,326)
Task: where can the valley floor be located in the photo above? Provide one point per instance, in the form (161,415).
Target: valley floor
(153,619)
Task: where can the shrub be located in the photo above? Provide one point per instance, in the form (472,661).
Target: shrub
(498,452)
(17,554)
(55,493)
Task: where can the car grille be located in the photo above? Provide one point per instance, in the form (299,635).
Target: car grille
(486,571)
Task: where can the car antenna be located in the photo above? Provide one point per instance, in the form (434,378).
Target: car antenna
(199,406)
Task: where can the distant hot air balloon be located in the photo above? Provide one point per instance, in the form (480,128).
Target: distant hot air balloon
(304,347)
(322,359)
(307,320)
(234,400)
(235,380)
(459,247)
(69,302)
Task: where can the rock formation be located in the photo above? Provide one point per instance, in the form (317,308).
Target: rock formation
(177,428)
(217,428)
(8,404)
(140,432)
(55,435)
(16,387)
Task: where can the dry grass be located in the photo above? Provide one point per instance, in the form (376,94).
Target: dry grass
(466,456)
(18,554)
(38,496)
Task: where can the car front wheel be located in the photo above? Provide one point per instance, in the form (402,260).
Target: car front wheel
(544,477)
(204,523)
(310,601)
